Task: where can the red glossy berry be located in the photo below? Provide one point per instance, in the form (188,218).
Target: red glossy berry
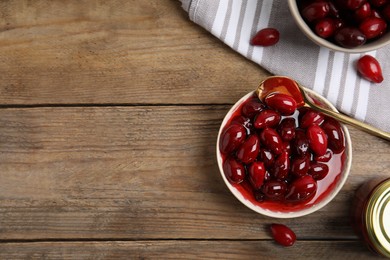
(266,37)
(274,190)
(271,139)
(302,189)
(232,138)
(349,37)
(282,166)
(300,144)
(267,118)
(245,122)
(363,12)
(300,166)
(318,170)
(373,27)
(326,157)
(267,157)
(234,170)
(257,174)
(325,27)
(318,141)
(286,129)
(370,69)
(311,117)
(284,104)
(283,235)
(249,150)
(335,135)
(252,108)
(316,10)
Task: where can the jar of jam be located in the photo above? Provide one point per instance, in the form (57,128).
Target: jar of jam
(371,215)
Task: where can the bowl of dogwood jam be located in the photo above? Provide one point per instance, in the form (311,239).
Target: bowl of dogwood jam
(371,215)
(279,157)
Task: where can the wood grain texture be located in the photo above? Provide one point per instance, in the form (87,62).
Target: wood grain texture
(185,250)
(139,173)
(109,113)
(67,52)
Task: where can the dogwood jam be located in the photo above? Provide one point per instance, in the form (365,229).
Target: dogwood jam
(325,186)
(371,215)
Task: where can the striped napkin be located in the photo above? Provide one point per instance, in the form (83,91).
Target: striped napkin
(331,74)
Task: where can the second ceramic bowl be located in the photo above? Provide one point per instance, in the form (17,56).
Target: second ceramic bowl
(304,27)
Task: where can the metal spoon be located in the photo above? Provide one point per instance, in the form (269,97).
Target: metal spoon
(282,84)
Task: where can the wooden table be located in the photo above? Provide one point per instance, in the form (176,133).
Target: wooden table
(108,123)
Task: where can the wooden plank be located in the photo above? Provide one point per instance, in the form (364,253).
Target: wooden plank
(118,52)
(141,173)
(178,249)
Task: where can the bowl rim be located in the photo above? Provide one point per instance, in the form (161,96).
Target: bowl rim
(379,43)
(293,214)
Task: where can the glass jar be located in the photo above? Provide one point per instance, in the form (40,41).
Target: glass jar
(371,215)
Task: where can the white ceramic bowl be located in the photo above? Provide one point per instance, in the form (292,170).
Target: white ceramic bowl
(256,206)
(374,45)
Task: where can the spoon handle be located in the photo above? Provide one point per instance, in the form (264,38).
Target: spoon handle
(353,122)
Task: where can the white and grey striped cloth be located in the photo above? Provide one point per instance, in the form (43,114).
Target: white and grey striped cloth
(331,74)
